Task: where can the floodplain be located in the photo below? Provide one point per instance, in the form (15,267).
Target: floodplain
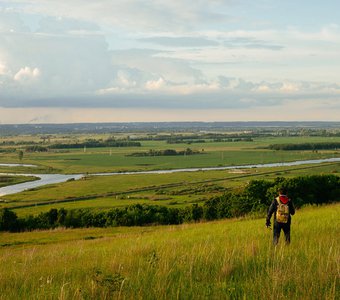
(177,190)
(229,259)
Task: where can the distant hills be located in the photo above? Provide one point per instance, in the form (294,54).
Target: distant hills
(10,129)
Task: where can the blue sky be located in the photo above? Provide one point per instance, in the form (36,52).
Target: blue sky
(208,60)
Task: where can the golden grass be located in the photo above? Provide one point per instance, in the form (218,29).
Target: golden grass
(230,259)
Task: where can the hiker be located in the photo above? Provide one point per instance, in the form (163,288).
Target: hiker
(282,207)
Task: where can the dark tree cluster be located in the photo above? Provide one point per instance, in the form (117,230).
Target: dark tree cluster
(258,194)
(184,141)
(36,148)
(96,144)
(167,152)
(306,146)
(229,140)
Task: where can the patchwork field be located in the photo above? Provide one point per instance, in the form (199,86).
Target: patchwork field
(177,190)
(94,160)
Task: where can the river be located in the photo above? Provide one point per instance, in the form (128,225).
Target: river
(57,178)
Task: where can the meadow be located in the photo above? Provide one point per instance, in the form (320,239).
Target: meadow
(94,160)
(228,259)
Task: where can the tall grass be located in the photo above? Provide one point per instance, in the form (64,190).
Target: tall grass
(231,259)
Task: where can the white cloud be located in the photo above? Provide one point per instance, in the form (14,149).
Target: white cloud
(3,68)
(262,88)
(288,87)
(155,84)
(66,65)
(27,74)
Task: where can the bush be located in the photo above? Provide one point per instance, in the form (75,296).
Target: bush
(8,220)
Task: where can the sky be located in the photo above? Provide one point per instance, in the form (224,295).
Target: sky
(66,61)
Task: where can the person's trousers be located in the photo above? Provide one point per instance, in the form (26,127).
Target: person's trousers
(277,230)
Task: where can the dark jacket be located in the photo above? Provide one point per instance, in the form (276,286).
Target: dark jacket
(273,207)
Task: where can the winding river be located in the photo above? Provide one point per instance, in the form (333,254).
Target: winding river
(57,178)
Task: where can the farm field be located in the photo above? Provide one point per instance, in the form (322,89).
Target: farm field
(94,160)
(175,190)
(229,259)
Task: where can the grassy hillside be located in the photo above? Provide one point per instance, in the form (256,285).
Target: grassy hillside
(218,260)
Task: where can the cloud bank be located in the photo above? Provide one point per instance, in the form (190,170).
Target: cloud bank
(164,55)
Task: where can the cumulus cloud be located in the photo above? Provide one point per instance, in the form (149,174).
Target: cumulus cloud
(3,69)
(289,87)
(223,92)
(27,74)
(159,54)
(155,84)
(262,88)
(64,64)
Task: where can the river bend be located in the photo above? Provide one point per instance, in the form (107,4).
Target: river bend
(45,179)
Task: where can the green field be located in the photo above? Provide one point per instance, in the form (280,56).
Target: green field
(231,259)
(176,189)
(215,154)
(186,188)
(6,180)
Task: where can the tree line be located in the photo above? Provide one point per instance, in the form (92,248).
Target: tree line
(200,136)
(96,144)
(215,140)
(306,146)
(254,198)
(166,152)
(184,141)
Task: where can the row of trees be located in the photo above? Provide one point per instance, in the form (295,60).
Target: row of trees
(96,144)
(216,140)
(254,198)
(166,152)
(36,148)
(306,146)
(184,141)
(199,138)
(246,139)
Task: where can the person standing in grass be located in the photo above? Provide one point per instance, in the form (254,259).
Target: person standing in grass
(282,207)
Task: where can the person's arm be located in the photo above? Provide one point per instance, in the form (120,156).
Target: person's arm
(291,208)
(271,210)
